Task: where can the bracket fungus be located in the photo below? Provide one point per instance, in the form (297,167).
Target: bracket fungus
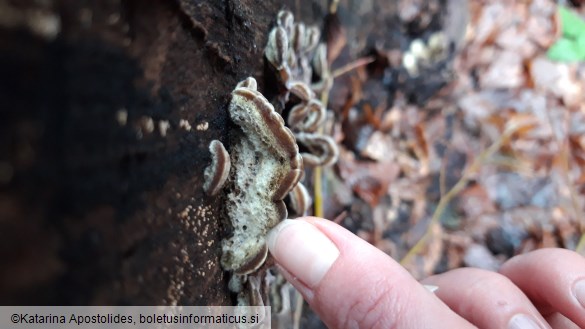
(302,91)
(299,201)
(307,117)
(285,19)
(277,53)
(266,166)
(217,172)
(323,149)
(290,49)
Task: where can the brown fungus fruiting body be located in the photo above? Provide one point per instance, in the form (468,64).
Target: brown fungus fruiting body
(299,201)
(307,117)
(266,165)
(323,149)
(217,172)
(277,54)
(302,91)
(291,49)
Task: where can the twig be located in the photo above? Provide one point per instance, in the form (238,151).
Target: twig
(459,186)
(352,66)
(317,172)
(333,6)
(298,310)
(580,249)
(340,217)
(318,210)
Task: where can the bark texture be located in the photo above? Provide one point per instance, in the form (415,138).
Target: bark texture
(106,111)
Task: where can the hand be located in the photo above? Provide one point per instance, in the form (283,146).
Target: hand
(351,284)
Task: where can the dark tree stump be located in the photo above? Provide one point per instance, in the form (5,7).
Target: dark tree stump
(100,176)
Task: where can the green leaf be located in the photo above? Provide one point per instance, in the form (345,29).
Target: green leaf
(571,46)
(565,50)
(573,26)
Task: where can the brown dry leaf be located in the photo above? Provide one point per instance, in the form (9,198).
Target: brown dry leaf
(421,148)
(505,71)
(407,189)
(455,246)
(548,240)
(577,144)
(475,201)
(567,228)
(543,25)
(489,22)
(369,180)
(528,245)
(380,147)
(520,198)
(476,107)
(339,196)
(374,238)
(370,189)
(515,39)
(558,79)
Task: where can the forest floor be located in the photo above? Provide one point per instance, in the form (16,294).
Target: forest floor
(490,165)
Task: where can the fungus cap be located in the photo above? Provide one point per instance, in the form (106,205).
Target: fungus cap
(307,117)
(285,19)
(302,91)
(324,150)
(299,200)
(217,172)
(277,48)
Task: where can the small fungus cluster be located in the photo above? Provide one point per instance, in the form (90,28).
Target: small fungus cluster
(290,49)
(422,54)
(264,164)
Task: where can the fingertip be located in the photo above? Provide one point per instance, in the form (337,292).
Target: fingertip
(303,250)
(556,281)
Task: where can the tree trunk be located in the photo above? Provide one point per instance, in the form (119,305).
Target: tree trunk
(106,111)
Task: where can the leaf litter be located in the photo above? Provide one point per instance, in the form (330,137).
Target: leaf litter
(491,165)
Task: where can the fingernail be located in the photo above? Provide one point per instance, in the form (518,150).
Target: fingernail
(302,250)
(431,288)
(523,321)
(579,292)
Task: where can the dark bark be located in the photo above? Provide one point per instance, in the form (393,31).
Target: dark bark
(95,211)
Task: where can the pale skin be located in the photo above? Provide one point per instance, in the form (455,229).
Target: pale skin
(351,284)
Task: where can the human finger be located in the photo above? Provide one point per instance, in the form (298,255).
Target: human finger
(486,299)
(557,320)
(350,283)
(554,279)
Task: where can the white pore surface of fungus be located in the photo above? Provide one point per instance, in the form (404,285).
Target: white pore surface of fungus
(266,165)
